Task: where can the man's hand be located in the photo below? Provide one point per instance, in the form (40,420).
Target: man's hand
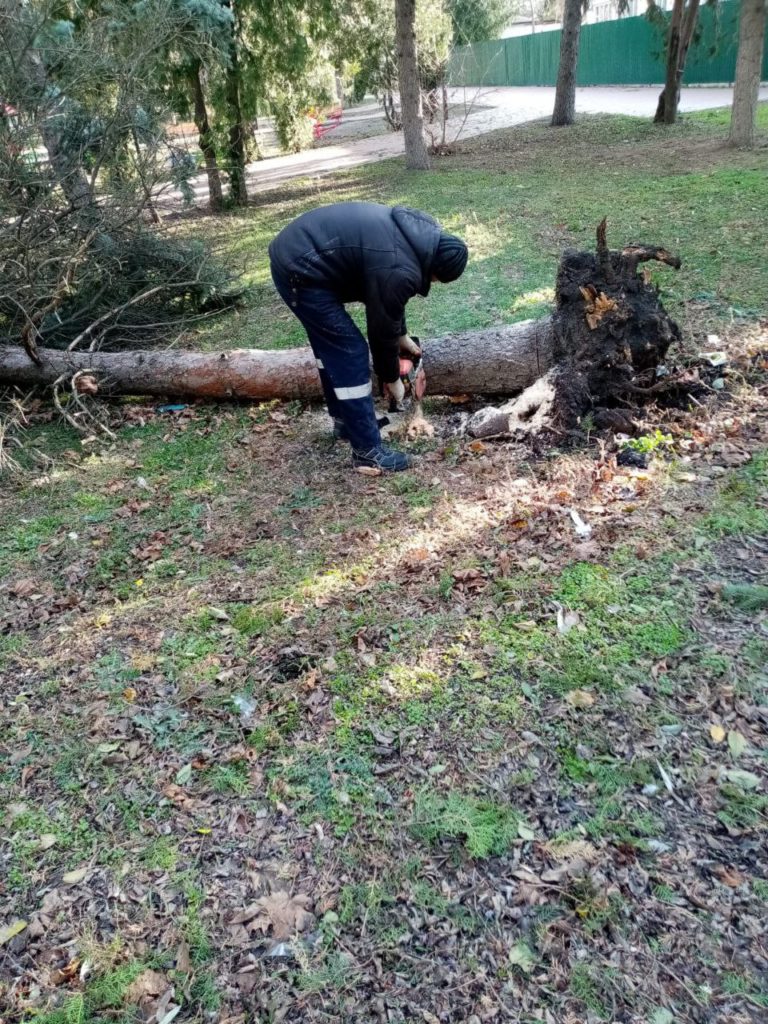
(396,390)
(408,346)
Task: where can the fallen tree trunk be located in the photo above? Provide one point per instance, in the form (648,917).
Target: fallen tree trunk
(599,348)
(500,360)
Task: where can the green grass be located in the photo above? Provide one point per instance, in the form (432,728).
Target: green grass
(101,1001)
(741,506)
(407,735)
(527,193)
(626,619)
(750,597)
(336,785)
(485,827)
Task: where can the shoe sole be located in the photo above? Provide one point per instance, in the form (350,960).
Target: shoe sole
(379,470)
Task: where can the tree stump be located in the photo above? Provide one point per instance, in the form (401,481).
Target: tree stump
(610,333)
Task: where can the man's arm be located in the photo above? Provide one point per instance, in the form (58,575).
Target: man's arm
(386,298)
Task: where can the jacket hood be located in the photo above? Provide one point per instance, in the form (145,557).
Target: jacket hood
(422,233)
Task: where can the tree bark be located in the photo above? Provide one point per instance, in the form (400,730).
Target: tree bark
(416,154)
(565,91)
(237,127)
(66,165)
(749,64)
(205,140)
(598,350)
(681,28)
(511,358)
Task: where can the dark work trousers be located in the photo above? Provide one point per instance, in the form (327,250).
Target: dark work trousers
(341,354)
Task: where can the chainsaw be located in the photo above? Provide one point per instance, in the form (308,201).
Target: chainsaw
(414,381)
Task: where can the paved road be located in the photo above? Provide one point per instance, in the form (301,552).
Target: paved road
(497,108)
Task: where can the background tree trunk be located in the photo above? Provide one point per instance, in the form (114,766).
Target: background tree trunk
(205,139)
(237,127)
(681,28)
(749,65)
(66,165)
(416,155)
(565,92)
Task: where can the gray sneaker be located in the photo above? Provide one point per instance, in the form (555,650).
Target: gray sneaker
(385,460)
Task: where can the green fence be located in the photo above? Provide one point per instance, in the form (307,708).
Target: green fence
(625,52)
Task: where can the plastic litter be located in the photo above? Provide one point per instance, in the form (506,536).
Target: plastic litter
(171,408)
(717,358)
(582,529)
(282,951)
(245,705)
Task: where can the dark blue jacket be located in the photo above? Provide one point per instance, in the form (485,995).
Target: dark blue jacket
(363,252)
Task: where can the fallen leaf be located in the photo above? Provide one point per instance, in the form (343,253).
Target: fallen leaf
(415,556)
(47,840)
(742,779)
(285,914)
(147,984)
(580,698)
(566,620)
(525,832)
(183,961)
(183,775)
(73,877)
(251,911)
(23,588)
(737,743)
(571,869)
(11,930)
(730,876)
(67,973)
(522,956)
(717,733)
(129,694)
(572,850)
(586,549)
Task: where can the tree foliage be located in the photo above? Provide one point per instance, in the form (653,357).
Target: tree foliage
(477,20)
(83,157)
(376,71)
